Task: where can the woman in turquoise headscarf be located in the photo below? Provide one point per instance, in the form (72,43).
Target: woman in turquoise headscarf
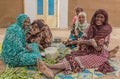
(15,50)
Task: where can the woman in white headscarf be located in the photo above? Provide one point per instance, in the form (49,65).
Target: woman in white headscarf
(81,24)
(78,30)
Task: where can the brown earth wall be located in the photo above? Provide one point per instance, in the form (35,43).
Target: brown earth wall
(9,10)
(90,6)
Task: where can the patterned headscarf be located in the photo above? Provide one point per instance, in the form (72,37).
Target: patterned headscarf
(39,22)
(100,11)
(20,19)
(99,32)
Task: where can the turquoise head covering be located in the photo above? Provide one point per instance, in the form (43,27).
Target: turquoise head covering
(20,19)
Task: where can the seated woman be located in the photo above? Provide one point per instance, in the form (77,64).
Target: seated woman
(78,30)
(40,33)
(15,50)
(93,56)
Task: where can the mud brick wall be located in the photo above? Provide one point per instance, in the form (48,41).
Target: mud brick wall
(9,10)
(90,6)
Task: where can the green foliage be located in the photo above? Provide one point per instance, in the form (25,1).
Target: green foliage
(62,53)
(49,61)
(19,73)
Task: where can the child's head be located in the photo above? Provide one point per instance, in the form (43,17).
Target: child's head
(34,25)
(82,17)
(100,17)
(78,10)
(38,24)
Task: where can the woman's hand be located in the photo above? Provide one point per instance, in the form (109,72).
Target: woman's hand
(101,42)
(29,48)
(84,35)
(81,41)
(41,47)
(100,45)
(91,42)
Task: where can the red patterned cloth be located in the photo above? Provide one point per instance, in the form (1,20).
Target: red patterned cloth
(76,63)
(105,67)
(90,57)
(93,60)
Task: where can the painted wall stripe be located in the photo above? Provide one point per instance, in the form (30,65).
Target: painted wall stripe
(40,7)
(50,7)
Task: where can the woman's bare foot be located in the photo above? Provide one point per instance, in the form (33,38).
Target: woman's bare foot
(45,70)
(113,52)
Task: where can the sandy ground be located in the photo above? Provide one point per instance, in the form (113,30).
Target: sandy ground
(64,34)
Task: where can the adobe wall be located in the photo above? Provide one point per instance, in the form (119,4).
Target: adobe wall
(9,10)
(90,6)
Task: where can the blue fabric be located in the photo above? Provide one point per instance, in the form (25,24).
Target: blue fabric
(14,52)
(74,38)
(86,74)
